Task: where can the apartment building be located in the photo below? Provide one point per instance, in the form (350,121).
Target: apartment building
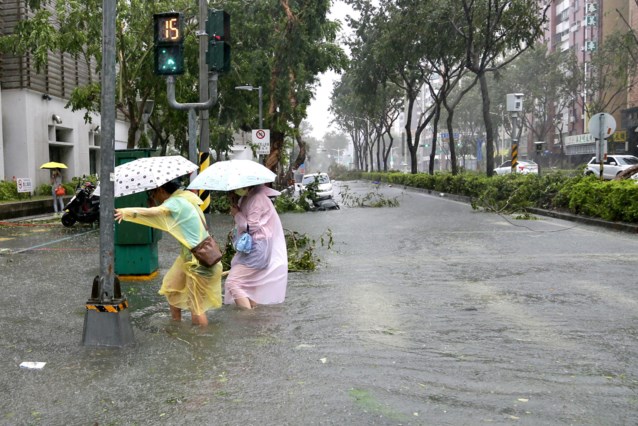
(35,124)
(581,26)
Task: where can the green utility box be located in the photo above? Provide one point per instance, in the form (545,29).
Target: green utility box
(135,245)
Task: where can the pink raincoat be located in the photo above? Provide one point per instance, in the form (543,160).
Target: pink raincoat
(261,275)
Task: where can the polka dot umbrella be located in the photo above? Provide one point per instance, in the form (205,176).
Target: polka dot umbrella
(149,173)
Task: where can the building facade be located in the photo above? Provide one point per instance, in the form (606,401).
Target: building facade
(581,26)
(36,126)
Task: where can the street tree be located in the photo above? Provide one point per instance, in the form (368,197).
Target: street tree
(389,46)
(281,45)
(490,30)
(550,81)
(611,74)
(469,123)
(76,28)
(299,43)
(349,110)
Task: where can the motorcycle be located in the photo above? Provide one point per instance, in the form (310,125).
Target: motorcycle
(84,207)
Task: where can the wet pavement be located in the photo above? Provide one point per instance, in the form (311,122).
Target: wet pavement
(424,314)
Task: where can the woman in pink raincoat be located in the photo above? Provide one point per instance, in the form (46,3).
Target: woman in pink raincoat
(261,276)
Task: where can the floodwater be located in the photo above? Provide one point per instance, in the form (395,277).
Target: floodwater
(422,314)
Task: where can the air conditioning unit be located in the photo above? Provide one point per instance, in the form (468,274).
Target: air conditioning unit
(591,20)
(591,8)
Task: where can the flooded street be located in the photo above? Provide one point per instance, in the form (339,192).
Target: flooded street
(424,314)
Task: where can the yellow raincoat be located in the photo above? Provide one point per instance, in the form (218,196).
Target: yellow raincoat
(187,285)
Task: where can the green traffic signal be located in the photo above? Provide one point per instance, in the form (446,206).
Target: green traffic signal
(169,60)
(169,43)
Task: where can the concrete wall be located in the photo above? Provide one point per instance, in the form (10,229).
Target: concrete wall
(31,137)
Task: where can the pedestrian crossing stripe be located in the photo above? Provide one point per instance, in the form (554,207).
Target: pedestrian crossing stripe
(107,307)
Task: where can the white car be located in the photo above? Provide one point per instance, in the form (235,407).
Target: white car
(612,165)
(523,167)
(324,185)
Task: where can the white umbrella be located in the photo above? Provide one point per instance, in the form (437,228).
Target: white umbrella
(232,174)
(148,173)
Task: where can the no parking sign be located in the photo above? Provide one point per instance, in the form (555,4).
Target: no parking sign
(261,138)
(24,185)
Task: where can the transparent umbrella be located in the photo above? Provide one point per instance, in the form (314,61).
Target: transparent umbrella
(232,174)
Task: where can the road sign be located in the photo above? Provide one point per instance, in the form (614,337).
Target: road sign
(602,124)
(261,138)
(24,185)
(601,127)
(620,136)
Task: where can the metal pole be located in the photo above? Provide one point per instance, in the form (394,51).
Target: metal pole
(261,121)
(204,133)
(601,144)
(172,102)
(107,320)
(107,154)
(514,143)
(192,137)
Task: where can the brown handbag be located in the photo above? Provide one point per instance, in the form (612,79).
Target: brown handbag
(207,252)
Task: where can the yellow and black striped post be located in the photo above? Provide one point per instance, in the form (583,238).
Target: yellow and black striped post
(107,320)
(107,307)
(514,156)
(515,135)
(204,194)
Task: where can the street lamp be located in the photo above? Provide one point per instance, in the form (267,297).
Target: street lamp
(501,134)
(392,156)
(514,105)
(250,89)
(147,109)
(338,151)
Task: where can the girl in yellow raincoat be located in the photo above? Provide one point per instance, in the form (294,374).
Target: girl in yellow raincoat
(187,285)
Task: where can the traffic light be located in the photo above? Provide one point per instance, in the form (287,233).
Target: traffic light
(169,43)
(218,30)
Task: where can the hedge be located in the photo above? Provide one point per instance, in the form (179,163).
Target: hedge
(615,201)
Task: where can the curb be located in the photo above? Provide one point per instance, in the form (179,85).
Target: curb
(618,226)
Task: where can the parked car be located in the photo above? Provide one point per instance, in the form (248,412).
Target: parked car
(612,165)
(324,185)
(523,167)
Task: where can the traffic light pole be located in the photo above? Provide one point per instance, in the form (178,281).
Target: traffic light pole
(107,319)
(204,133)
(214,58)
(194,106)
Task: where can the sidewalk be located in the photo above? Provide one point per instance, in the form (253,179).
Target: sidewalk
(28,208)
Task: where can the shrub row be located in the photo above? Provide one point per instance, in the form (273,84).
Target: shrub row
(583,195)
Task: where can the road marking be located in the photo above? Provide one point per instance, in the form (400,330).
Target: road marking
(52,242)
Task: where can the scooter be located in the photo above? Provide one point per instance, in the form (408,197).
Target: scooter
(84,207)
